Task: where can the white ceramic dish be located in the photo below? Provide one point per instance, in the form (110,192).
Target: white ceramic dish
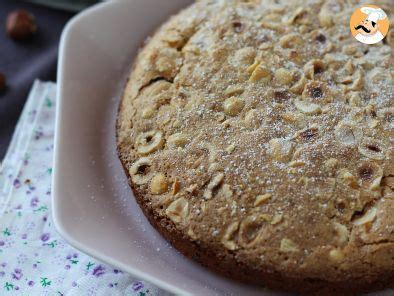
(93,207)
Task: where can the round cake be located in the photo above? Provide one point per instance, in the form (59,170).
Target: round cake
(257,137)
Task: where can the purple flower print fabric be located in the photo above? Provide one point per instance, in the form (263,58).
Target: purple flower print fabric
(34,259)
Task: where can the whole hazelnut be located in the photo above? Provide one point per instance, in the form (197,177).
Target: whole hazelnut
(2,82)
(20,25)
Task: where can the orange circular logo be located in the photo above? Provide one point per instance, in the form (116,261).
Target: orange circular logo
(369,24)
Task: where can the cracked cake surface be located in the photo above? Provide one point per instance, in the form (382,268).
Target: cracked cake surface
(257,137)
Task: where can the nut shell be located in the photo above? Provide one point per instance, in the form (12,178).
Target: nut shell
(3,82)
(21,25)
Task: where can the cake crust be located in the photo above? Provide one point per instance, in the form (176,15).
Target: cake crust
(257,137)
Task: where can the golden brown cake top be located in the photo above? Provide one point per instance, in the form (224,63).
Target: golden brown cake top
(263,128)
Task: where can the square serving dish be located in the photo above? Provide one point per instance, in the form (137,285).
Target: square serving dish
(93,207)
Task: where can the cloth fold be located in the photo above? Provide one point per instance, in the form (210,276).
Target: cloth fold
(34,259)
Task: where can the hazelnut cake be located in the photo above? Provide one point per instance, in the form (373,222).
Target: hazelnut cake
(257,137)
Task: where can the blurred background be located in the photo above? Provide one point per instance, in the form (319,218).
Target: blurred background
(23,61)
(71,5)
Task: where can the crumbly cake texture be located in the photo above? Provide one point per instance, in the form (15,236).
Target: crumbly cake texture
(258,138)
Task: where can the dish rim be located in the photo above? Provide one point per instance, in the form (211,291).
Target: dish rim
(59,223)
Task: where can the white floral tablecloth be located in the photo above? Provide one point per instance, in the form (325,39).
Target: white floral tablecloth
(34,259)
